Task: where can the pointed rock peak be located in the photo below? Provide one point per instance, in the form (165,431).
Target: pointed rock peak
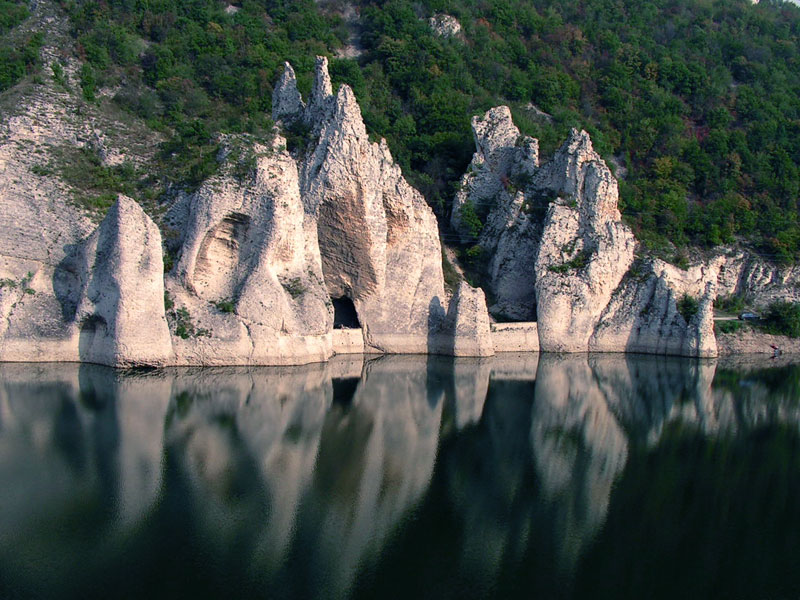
(287,104)
(322,88)
(578,142)
(347,113)
(495,130)
(125,206)
(346,99)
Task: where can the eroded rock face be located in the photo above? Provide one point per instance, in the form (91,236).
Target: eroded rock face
(378,239)
(558,251)
(501,170)
(467,329)
(249,272)
(264,260)
(103,304)
(585,248)
(287,104)
(121,313)
(643,314)
(744,274)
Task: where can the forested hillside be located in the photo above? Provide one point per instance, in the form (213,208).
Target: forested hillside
(700,115)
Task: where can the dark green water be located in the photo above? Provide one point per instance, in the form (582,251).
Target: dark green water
(403,477)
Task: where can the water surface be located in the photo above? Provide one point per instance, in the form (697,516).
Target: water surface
(403,477)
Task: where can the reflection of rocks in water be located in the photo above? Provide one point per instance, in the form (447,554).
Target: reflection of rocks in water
(412,475)
(646,392)
(579,449)
(80,453)
(245,441)
(649,393)
(140,402)
(465,382)
(375,460)
(757,392)
(489,482)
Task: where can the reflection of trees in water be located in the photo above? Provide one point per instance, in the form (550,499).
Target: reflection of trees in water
(726,528)
(426,476)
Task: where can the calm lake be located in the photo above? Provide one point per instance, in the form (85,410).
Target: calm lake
(600,476)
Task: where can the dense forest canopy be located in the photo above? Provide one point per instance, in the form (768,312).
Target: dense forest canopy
(697,100)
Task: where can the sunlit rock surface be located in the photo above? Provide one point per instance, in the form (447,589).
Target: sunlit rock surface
(250,247)
(107,299)
(558,252)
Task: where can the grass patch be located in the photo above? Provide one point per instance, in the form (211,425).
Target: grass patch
(728,326)
(730,304)
(294,287)
(183,326)
(94,184)
(578,262)
(225,306)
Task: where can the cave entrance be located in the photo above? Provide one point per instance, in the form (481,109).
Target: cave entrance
(344,314)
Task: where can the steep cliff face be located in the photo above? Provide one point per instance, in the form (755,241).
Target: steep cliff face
(378,239)
(121,308)
(104,303)
(761,282)
(265,259)
(585,248)
(499,177)
(249,272)
(263,254)
(560,253)
(643,314)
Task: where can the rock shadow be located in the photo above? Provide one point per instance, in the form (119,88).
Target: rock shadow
(440,340)
(67,280)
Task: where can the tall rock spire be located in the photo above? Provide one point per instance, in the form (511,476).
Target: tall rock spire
(287,105)
(321,93)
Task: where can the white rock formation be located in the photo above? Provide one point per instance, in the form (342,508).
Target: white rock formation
(558,251)
(262,258)
(467,328)
(445,25)
(321,100)
(761,282)
(643,314)
(378,238)
(121,313)
(585,248)
(287,104)
(503,163)
(252,246)
(103,303)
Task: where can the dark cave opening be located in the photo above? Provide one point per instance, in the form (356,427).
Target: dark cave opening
(344,314)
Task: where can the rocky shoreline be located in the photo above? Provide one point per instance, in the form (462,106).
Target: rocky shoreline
(268,259)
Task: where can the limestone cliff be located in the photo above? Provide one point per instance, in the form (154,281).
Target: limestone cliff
(503,163)
(103,304)
(559,252)
(317,223)
(249,273)
(378,239)
(585,248)
(263,253)
(264,259)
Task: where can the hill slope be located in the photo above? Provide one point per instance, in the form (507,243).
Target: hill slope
(701,115)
